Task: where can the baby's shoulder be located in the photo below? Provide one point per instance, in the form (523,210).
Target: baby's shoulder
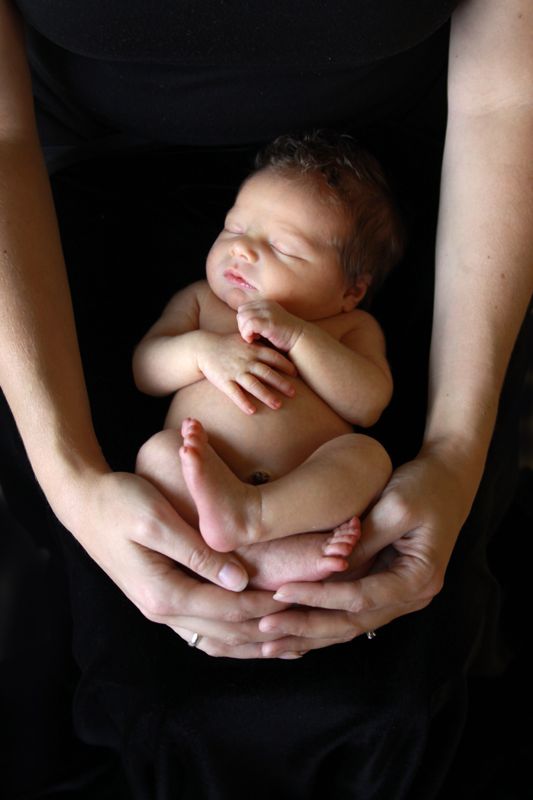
(350,322)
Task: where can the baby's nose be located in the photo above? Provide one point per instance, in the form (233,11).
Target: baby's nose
(244,248)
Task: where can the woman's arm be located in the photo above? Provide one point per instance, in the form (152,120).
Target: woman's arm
(483,286)
(121,520)
(484,264)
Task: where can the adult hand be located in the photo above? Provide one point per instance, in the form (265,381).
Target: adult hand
(407,541)
(136,537)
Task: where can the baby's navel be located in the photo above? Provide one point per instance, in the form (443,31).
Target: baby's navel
(258,477)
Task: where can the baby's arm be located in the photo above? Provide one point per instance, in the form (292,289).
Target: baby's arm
(351,374)
(176,353)
(166,359)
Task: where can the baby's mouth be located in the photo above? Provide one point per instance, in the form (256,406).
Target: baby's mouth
(233,277)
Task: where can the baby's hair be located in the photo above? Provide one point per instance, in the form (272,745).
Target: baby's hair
(345,174)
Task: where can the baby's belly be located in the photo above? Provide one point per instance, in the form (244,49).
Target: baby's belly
(273,442)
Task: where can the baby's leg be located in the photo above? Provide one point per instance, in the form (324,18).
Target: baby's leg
(302,557)
(339,480)
(310,557)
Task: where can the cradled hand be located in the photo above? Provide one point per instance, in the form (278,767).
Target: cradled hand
(139,540)
(240,369)
(400,561)
(268,320)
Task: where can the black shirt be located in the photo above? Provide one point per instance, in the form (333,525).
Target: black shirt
(226,73)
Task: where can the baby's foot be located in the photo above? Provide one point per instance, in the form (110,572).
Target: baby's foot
(343,538)
(302,557)
(229,511)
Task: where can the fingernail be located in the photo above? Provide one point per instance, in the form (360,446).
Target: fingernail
(267,626)
(290,656)
(282,596)
(233,577)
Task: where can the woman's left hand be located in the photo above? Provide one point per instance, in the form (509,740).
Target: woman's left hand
(407,541)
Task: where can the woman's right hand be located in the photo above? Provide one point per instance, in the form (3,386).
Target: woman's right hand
(136,537)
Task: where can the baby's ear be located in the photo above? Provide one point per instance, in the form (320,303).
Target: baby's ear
(355,293)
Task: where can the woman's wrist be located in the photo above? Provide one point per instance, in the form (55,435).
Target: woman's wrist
(64,470)
(462,457)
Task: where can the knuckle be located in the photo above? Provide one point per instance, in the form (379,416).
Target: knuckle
(349,634)
(213,648)
(233,639)
(149,526)
(359,604)
(432,588)
(200,560)
(234,614)
(401,509)
(152,604)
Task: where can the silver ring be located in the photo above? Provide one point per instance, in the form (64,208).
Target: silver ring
(195,639)
(371,634)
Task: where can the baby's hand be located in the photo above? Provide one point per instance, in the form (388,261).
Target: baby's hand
(268,320)
(233,365)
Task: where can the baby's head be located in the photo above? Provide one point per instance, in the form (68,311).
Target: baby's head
(313,227)
(351,181)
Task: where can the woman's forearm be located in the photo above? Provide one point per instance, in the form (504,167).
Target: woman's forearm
(484,258)
(484,269)
(40,367)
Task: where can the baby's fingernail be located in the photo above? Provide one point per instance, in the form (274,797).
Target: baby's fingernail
(290,656)
(283,597)
(233,577)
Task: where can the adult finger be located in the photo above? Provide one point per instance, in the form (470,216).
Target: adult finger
(217,649)
(395,587)
(309,623)
(174,595)
(167,533)
(294,646)
(229,633)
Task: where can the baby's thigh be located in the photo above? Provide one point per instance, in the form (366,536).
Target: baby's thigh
(359,461)
(158,461)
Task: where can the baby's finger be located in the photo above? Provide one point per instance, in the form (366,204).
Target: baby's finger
(246,326)
(273,378)
(259,390)
(276,360)
(232,390)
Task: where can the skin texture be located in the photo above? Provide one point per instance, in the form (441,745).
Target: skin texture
(483,286)
(271,256)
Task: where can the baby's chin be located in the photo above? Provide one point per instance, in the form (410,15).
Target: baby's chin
(236,297)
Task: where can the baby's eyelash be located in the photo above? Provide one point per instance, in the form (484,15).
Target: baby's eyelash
(285,253)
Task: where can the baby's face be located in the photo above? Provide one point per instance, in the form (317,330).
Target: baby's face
(278,244)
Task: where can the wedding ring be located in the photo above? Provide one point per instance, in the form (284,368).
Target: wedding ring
(195,639)
(371,634)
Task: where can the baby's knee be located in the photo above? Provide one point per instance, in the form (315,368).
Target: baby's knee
(375,456)
(159,447)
